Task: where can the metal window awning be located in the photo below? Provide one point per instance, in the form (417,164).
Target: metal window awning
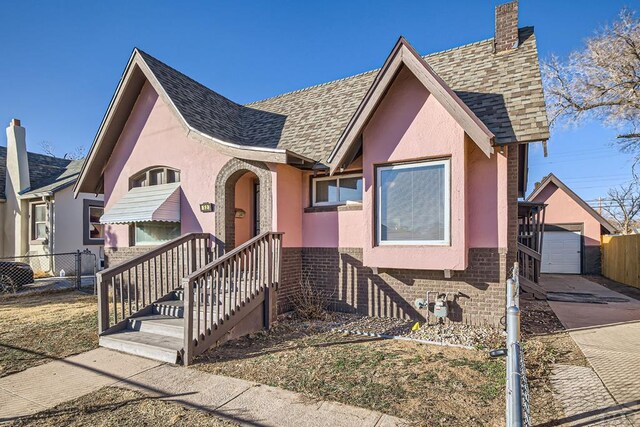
(143,204)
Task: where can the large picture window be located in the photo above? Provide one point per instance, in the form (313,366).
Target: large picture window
(155,233)
(337,190)
(413,203)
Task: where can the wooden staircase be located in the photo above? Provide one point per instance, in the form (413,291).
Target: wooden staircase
(228,297)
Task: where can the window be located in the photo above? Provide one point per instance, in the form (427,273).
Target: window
(95,228)
(414,203)
(93,231)
(154,233)
(337,190)
(155,176)
(38,221)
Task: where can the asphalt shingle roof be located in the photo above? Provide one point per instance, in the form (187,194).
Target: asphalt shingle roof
(46,173)
(504,90)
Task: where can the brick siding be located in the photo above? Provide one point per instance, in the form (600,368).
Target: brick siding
(506,26)
(115,256)
(478,294)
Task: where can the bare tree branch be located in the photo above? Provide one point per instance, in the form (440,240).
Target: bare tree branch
(601,81)
(49,149)
(623,208)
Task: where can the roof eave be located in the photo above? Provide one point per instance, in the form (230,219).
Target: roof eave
(403,54)
(551,178)
(136,61)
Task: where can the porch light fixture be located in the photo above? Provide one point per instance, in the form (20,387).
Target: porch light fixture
(206,207)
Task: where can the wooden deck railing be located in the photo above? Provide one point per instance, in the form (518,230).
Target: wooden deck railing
(529,261)
(239,281)
(135,284)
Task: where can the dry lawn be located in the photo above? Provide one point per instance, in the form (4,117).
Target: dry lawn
(545,344)
(428,385)
(120,407)
(35,329)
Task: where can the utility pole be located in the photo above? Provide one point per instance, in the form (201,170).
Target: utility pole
(600,205)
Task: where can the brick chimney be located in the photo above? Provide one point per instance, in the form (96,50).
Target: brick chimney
(506,27)
(17,162)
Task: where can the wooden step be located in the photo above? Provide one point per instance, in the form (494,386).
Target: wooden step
(158,324)
(173,308)
(145,344)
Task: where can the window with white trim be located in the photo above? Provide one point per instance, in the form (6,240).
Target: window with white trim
(337,190)
(154,232)
(155,176)
(414,203)
(38,221)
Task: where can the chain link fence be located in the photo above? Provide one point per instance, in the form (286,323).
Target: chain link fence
(34,272)
(518,410)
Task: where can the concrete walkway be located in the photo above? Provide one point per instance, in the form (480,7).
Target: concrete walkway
(244,402)
(609,337)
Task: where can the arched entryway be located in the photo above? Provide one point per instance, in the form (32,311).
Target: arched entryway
(243,202)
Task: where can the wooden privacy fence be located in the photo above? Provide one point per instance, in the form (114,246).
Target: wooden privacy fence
(621,259)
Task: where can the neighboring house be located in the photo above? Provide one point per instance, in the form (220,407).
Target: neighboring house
(38,211)
(386,184)
(572,230)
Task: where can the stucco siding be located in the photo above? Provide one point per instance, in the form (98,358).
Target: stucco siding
(69,220)
(562,209)
(410,124)
(154,136)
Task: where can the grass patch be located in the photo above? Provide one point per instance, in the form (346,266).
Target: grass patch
(118,407)
(35,329)
(541,353)
(430,385)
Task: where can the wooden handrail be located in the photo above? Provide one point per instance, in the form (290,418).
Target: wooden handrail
(527,250)
(237,281)
(136,283)
(158,250)
(230,254)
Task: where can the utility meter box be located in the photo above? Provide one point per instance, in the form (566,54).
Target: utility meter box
(441,308)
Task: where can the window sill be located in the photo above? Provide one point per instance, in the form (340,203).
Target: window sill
(334,208)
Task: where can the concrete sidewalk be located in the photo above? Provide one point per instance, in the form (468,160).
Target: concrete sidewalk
(609,337)
(244,402)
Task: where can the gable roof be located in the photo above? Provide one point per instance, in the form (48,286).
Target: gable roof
(46,173)
(404,55)
(502,90)
(552,179)
(207,116)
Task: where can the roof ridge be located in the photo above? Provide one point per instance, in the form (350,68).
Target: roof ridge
(311,87)
(188,77)
(44,155)
(466,45)
(364,72)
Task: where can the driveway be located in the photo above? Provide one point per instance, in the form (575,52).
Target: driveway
(584,315)
(609,337)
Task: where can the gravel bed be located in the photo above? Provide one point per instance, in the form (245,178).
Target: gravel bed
(446,334)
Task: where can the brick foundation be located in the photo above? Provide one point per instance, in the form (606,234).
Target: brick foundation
(115,256)
(391,293)
(291,275)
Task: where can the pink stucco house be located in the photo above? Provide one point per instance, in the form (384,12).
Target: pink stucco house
(572,229)
(379,187)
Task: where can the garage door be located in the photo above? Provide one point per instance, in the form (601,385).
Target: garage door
(561,252)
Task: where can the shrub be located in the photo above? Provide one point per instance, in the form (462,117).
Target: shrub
(308,301)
